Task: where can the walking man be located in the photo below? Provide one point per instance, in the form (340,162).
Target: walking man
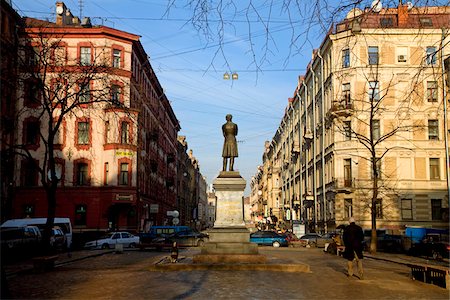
(353,241)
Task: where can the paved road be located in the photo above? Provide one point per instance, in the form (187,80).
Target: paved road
(126,276)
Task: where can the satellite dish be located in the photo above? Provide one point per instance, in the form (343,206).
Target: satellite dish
(409,4)
(376,6)
(353,13)
(175,221)
(59,10)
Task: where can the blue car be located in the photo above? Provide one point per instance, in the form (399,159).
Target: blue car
(269,238)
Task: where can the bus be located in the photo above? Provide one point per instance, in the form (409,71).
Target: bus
(63,223)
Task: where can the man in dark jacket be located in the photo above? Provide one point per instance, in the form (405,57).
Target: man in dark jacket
(353,241)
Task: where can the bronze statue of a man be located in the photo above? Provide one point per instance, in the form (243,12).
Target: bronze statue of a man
(230,150)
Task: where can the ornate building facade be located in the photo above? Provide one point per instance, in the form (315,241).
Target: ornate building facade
(369,110)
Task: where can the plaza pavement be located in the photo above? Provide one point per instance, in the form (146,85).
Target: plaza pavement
(105,275)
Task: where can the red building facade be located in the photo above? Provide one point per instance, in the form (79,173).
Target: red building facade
(116,157)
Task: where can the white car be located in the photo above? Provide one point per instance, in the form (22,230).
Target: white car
(113,238)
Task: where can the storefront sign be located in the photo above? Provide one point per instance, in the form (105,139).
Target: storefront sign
(120,197)
(124,153)
(154,208)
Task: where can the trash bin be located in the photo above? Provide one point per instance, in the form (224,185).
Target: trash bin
(119,248)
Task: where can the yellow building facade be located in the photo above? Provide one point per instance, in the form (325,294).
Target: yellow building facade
(370,109)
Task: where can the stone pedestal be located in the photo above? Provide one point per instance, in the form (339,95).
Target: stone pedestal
(229,240)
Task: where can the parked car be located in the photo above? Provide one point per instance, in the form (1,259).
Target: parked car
(58,238)
(432,245)
(316,240)
(19,240)
(290,237)
(189,238)
(161,231)
(113,238)
(269,238)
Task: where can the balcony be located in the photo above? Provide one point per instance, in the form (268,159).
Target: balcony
(343,109)
(295,147)
(344,185)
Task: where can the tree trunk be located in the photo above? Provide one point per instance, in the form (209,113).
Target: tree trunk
(373,240)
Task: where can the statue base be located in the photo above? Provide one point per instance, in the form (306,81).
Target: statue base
(229,240)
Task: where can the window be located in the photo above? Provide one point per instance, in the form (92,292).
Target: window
(386,22)
(29,172)
(59,56)
(59,138)
(434,169)
(28,210)
(406,209)
(115,94)
(379,209)
(82,173)
(436,206)
(432,91)
(426,22)
(59,91)
(376,130)
(116,58)
(32,129)
(347,130)
(374,91)
(80,215)
(84,93)
(83,133)
(124,133)
(85,56)
(106,132)
(433,129)
(431,56)
(348,208)
(346,58)
(32,93)
(378,168)
(33,56)
(373,55)
(347,172)
(123,178)
(346,95)
(106,180)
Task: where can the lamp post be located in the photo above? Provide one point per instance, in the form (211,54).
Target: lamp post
(234,76)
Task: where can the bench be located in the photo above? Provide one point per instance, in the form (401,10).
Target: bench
(437,275)
(44,263)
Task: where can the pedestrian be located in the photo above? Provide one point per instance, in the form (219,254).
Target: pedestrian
(353,242)
(174,253)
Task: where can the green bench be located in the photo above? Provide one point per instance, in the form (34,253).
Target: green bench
(437,275)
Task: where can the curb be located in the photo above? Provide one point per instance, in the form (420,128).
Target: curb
(303,268)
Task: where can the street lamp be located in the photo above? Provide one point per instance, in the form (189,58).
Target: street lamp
(234,76)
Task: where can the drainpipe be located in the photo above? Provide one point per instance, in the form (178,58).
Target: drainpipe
(306,122)
(300,181)
(324,198)
(444,97)
(313,104)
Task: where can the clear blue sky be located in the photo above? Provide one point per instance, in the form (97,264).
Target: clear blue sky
(190,68)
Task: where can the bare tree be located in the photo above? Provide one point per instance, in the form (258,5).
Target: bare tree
(359,119)
(261,21)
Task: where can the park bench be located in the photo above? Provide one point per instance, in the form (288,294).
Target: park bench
(44,263)
(437,275)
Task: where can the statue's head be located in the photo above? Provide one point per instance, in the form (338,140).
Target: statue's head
(228,117)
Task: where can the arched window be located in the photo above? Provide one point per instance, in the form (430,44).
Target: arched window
(80,214)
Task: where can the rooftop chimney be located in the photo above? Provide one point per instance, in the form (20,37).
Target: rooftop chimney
(63,15)
(403,16)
